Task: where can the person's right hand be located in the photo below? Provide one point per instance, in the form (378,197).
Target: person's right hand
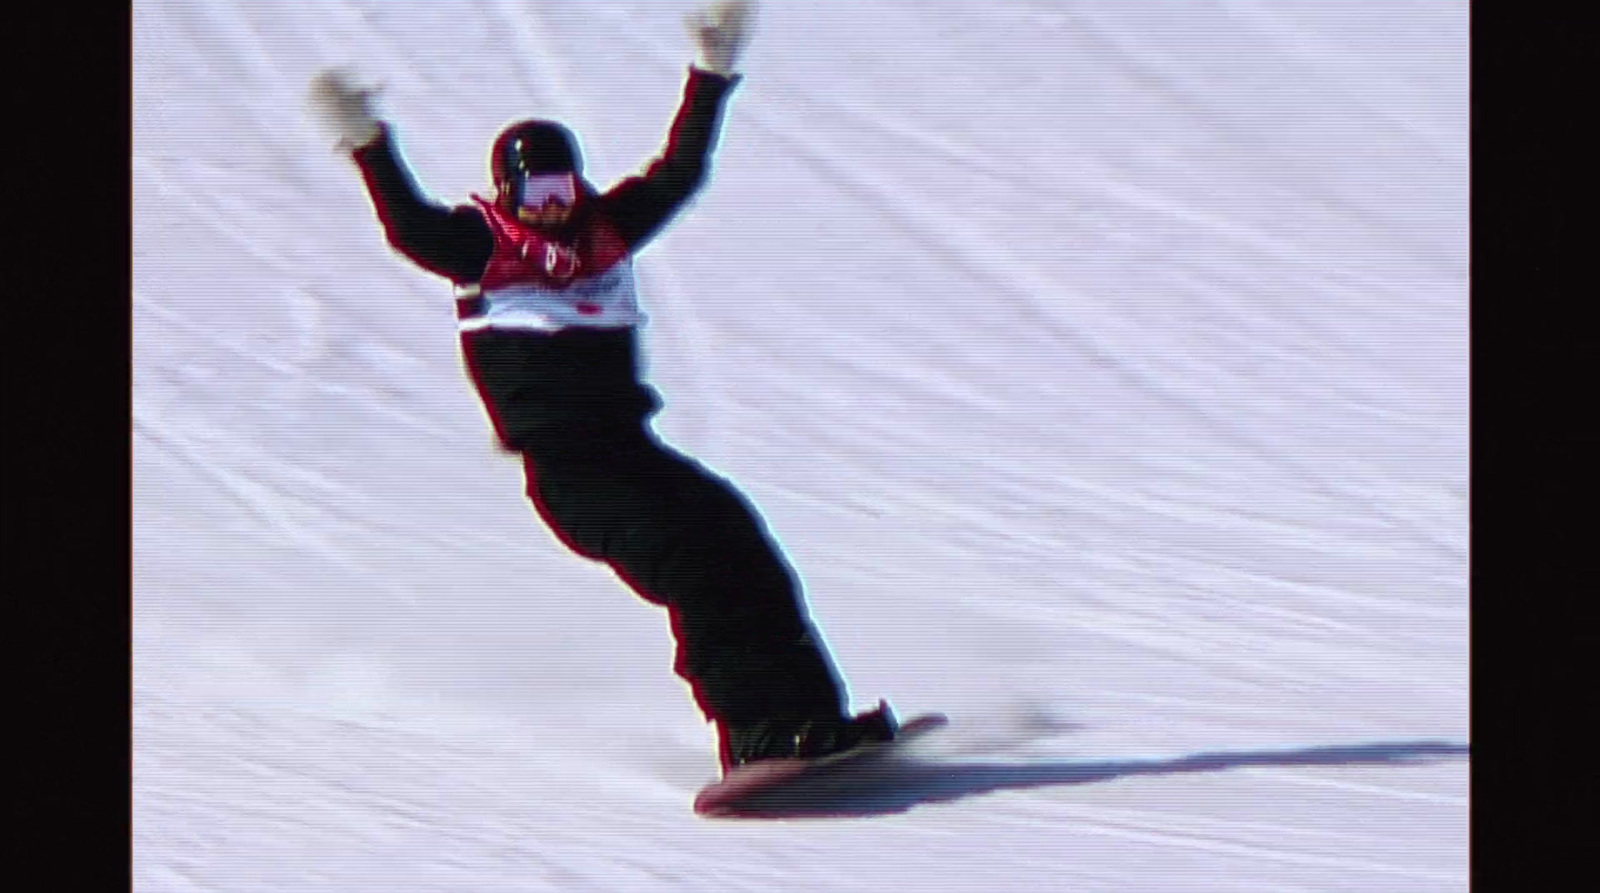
(344,108)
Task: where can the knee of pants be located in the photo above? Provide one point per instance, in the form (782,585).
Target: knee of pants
(568,526)
(727,574)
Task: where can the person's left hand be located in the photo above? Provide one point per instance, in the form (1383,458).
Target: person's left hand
(721,30)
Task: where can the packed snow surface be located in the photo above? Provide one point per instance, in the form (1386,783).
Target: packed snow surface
(1101,366)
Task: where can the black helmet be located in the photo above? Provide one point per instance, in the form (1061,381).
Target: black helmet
(534,147)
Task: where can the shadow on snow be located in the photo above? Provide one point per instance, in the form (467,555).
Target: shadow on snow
(898,784)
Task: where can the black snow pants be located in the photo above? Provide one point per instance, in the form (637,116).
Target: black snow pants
(684,538)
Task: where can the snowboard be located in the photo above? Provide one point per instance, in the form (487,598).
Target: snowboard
(767,778)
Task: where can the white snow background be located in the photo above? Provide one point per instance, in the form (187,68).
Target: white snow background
(1101,366)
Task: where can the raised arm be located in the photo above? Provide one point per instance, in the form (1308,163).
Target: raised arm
(454,243)
(640,205)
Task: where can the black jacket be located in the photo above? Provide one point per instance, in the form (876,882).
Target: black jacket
(552,391)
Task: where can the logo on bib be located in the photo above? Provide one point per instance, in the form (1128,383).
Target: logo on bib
(560,262)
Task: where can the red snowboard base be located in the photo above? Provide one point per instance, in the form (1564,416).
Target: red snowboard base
(758,779)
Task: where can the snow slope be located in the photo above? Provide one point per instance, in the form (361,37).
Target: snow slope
(1102,367)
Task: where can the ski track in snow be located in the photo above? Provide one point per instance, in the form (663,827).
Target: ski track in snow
(1167,513)
(1005,272)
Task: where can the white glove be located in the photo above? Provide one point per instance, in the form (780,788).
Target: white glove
(344,108)
(721,30)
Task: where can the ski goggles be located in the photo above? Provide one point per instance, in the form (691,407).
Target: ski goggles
(536,190)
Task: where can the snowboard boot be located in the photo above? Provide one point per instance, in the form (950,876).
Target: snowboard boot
(805,739)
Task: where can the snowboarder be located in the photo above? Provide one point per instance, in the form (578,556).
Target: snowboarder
(549,319)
